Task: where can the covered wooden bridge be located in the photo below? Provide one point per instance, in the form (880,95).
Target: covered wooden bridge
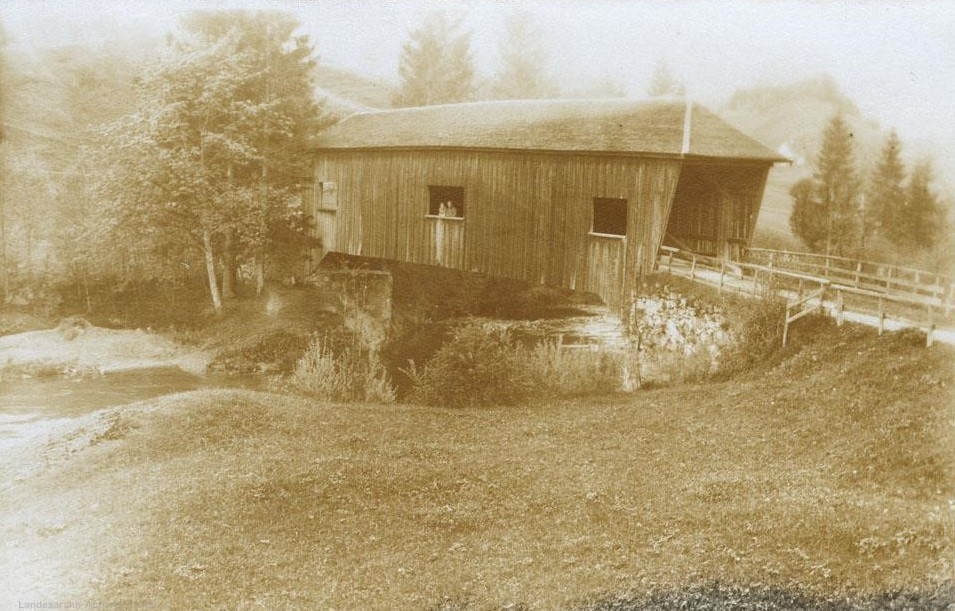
(577,194)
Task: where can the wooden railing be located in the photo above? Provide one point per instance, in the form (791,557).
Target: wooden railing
(870,275)
(755,279)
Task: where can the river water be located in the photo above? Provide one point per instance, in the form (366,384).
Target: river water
(25,400)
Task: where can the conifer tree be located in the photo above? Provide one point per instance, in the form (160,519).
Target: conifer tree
(523,73)
(921,218)
(436,66)
(837,187)
(885,195)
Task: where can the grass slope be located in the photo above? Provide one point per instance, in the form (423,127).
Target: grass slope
(824,475)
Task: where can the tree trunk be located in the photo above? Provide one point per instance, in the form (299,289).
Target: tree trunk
(228,267)
(211,272)
(259,275)
(228,250)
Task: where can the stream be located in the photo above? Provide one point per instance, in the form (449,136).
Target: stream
(26,400)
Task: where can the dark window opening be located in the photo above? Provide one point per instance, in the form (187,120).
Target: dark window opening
(446,201)
(610,216)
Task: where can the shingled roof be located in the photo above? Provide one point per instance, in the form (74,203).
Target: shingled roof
(619,126)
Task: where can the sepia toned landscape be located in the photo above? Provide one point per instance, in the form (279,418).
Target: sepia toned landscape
(416,305)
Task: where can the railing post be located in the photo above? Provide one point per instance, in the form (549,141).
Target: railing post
(755,281)
(670,262)
(881,315)
(786,327)
(858,273)
(722,273)
(693,268)
(840,308)
(799,290)
(929,339)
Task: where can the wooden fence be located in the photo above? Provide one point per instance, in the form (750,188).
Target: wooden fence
(869,275)
(756,279)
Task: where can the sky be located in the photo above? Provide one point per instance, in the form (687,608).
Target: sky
(895,59)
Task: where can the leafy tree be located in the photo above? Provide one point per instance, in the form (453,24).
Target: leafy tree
(837,186)
(664,83)
(885,194)
(213,157)
(808,218)
(524,62)
(436,66)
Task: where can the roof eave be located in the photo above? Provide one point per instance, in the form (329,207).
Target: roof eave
(650,154)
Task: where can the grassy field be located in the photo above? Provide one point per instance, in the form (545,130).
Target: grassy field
(821,479)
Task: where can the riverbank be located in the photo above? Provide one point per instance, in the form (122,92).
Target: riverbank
(823,476)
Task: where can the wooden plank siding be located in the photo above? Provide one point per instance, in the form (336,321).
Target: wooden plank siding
(527,216)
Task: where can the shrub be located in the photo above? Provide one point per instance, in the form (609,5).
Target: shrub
(479,365)
(482,364)
(561,372)
(339,368)
(757,337)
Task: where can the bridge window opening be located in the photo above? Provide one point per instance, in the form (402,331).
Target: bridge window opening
(446,202)
(327,196)
(610,216)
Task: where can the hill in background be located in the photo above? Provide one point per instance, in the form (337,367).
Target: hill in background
(345,92)
(791,118)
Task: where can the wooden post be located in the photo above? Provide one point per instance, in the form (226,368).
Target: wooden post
(827,265)
(799,291)
(693,268)
(858,273)
(929,335)
(840,308)
(755,281)
(881,315)
(670,262)
(722,273)
(786,327)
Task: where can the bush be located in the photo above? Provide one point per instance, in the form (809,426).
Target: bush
(339,369)
(479,365)
(561,372)
(757,338)
(482,364)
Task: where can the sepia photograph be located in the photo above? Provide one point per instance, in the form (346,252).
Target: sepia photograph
(447,305)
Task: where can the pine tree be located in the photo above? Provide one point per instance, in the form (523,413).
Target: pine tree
(837,187)
(523,71)
(436,66)
(885,195)
(664,83)
(922,217)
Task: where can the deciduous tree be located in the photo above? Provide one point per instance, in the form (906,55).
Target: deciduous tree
(808,218)
(214,154)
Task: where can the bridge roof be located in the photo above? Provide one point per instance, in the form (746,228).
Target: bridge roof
(657,127)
